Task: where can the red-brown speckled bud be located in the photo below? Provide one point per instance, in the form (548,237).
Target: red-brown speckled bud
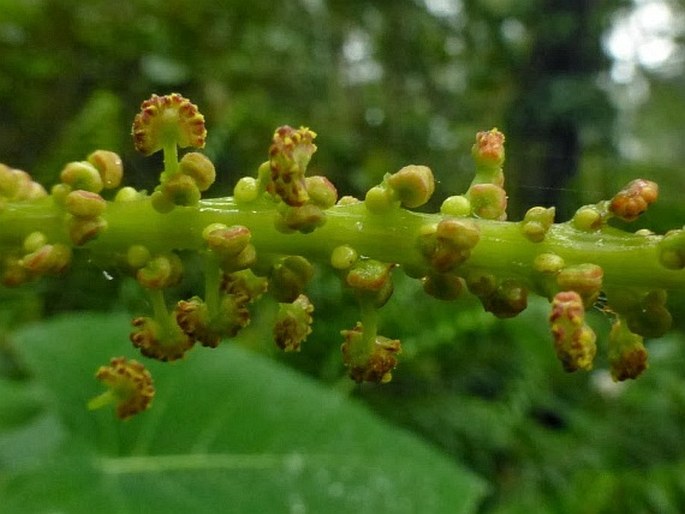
(574,341)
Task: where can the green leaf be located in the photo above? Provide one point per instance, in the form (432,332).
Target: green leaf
(229,431)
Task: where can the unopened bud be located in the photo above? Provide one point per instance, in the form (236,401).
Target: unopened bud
(634,199)
(84,204)
(321,191)
(82,175)
(458,206)
(672,249)
(536,223)
(199,168)
(82,230)
(584,279)
(413,185)
(109,166)
(246,190)
(488,201)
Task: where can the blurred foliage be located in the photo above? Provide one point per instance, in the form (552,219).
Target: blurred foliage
(384,84)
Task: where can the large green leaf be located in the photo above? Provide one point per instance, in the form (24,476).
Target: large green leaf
(229,431)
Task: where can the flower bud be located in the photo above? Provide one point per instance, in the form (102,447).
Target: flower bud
(450,243)
(198,167)
(672,249)
(363,365)
(289,277)
(305,219)
(548,263)
(457,206)
(321,191)
(372,279)
(84,204)
(443,286)
(536,223)
(244,283)
(82,230)
(508,300)
(629,203)
(246,190)
(488,201)
(128,194)
(481,283)
(109,166)
(343,257)
(165,120)
(574,341)
(289,156)
(379,199)
(650,318)
(584,279)
(627,353)
(180,189)
(17,185)
(160,272)
(226,241)
(588,218)
(137,256)
(82,175)
(49,258)
(293,323)
(488,150)
(129,384)
(413,185)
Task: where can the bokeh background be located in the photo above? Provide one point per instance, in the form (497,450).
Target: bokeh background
(590,94)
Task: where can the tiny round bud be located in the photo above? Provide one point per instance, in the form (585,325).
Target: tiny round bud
(348,200)
(672,249)
(588,218)
(82,175)
(246,190)
(161,202)
(548,263)
(84,204)
(343,257)
(181,190)
(137,256)
(226,241)
(379,200)
(59,192)
(305,219)
(584,279)
(536,223)
(199,168)
(34,241)
(109,166)
(444,286)
(128,194)
(457,205)
(82,230)
(413,185)
(321,191)
(488,201)
(289,277)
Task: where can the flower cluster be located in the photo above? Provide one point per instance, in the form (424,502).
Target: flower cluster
(280,225)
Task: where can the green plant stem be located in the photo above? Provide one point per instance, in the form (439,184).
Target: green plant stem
(628,260)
